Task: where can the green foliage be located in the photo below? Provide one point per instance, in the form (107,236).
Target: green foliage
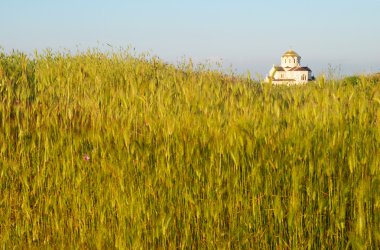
(115,151)
(352,80)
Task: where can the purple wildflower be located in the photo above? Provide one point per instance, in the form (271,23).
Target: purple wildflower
(86,157)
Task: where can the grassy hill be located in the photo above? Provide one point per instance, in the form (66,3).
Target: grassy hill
(116,151)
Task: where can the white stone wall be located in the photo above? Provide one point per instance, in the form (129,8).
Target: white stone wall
(280,75)
(301,76)
(271,72)
(296,75)
(290,61)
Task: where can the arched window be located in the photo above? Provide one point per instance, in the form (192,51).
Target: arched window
(294,60)
(285,60)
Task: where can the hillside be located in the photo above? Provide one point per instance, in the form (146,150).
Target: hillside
(118,151)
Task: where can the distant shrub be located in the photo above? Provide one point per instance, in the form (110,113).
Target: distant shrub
(375,77)
(351,80)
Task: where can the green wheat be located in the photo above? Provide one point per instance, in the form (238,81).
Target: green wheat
(110,150)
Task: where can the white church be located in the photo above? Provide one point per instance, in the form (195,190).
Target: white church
(290,71)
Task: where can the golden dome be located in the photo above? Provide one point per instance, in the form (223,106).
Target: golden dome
(290,53)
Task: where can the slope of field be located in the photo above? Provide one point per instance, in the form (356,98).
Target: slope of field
(114,151)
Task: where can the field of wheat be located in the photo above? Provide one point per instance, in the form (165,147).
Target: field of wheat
(117,151)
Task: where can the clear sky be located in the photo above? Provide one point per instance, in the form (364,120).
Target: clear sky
(249,35)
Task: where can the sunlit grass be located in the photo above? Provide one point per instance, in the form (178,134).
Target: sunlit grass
(116,151)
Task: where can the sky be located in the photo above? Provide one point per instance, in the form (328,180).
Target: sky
(244,35)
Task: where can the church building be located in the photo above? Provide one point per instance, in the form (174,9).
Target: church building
(290,71)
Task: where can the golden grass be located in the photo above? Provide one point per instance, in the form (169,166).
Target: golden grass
(115,151)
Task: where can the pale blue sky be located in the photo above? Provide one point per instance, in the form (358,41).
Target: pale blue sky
(249,35)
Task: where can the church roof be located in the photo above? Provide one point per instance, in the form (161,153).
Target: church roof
(279,68)
(290,53)
(300,69)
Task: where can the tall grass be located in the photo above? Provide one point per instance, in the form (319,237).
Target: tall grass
(116,151)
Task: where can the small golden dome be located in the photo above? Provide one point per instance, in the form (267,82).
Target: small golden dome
(290,53)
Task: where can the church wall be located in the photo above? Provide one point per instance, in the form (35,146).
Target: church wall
(296,75)
(289,61)
(280,75)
